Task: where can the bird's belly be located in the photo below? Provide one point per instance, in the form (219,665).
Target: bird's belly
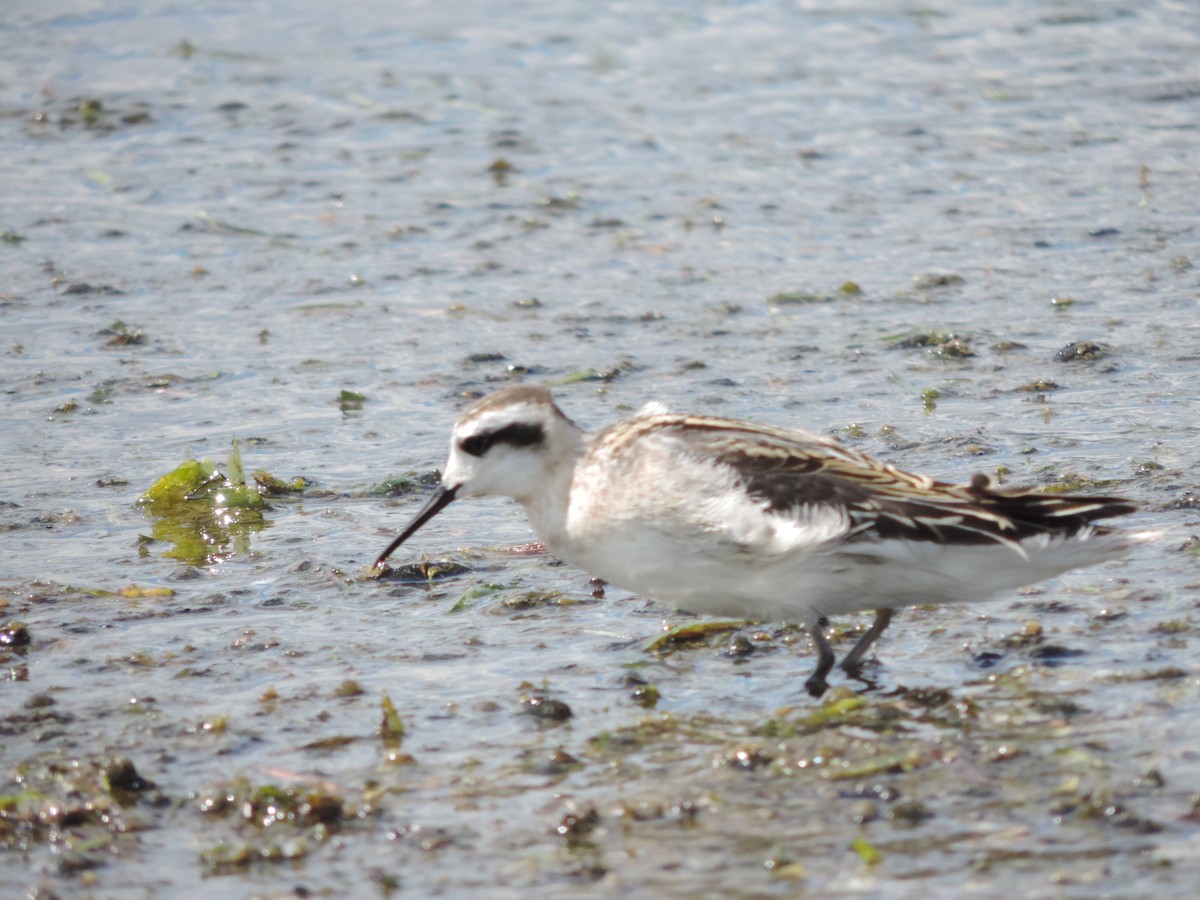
(824,580)
(720,580)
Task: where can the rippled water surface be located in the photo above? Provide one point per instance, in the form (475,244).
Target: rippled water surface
(322,228)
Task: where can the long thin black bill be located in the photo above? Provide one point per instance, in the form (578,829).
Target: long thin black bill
(441,498)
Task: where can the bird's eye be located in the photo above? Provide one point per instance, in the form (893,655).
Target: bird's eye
(476,444)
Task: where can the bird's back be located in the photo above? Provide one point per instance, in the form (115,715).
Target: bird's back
(727,517)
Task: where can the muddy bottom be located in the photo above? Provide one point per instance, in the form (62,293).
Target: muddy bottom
(959,239)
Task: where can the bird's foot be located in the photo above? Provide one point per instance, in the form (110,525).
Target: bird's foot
(816,685)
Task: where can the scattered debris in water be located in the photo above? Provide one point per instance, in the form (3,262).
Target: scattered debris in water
(1078,351)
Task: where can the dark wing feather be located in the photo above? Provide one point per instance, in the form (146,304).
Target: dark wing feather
(789,470)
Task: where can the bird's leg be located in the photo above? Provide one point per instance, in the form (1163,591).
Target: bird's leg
(816,683)
(852,660)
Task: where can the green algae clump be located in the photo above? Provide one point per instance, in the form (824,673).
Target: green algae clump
(205,515)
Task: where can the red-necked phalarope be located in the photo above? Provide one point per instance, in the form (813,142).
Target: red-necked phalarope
(725,517)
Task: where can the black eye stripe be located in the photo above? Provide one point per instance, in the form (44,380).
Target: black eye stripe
(515,435)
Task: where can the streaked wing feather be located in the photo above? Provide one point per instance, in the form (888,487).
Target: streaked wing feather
(789,470)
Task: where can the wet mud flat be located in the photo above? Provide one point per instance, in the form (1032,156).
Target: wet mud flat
(960,239)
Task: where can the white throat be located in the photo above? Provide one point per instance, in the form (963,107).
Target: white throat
(547,505)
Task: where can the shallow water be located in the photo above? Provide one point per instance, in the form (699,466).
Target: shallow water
(281,202)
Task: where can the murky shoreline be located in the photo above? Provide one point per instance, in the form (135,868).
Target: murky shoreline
(882,223)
